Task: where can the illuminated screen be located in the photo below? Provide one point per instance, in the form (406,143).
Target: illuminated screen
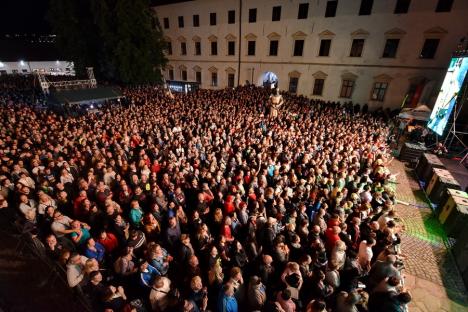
(448,94)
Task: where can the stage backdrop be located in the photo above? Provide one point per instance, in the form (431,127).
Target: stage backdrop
(448,94)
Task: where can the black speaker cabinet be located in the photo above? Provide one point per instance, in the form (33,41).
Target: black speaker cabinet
(426,163)
(441,181)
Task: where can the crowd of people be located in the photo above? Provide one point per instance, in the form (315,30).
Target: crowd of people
(206,202)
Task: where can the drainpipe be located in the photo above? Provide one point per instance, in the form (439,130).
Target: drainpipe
(240,41)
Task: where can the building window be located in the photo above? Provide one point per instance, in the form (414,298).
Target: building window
(402,6)
(231,17)
(293,82)
(347,89)
(197,48)
(444,6)
(391,46)
(276,13)
(252,15)
(231,48)
(298,47)
(379,90)
(356,48)
(196,20)
(251,47)
(198,76)
(230,80)
(214,48)
(166,22)
(181,21)
(366,7)
(273,47)
(183,48)
(429,48)
(318,86)
(325,47)
(214,79)
(184,75)
(303,11)
(171,74)
(169,48)
(212,19)
(330,11)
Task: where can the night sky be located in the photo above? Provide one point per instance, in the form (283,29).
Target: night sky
(24,17)
(29,16)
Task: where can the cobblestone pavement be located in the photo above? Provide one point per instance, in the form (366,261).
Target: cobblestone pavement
(431,272)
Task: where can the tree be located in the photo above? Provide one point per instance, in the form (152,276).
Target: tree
(121,39)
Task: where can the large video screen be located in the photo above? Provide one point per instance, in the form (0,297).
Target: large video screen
(448,94)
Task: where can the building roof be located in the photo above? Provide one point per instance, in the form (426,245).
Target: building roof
(84,95)
(14,50)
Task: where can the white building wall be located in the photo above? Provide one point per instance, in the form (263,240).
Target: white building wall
(46,67)
(412,29)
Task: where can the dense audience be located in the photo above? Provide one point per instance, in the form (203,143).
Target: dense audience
(204,201)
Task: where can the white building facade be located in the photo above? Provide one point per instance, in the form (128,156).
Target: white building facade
(379,52)
(25,67)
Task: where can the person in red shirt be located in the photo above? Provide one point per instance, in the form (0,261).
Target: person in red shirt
(109,241)
(226,230)
(332,235)
(229,205)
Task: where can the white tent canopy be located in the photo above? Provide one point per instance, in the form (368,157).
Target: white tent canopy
(420,112)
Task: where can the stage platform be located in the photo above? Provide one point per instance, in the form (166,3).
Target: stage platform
(459,172)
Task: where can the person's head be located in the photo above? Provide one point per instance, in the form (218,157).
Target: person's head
(267,259)
(393,281)
(236,273)
(91,242)
(316,306)
(51,240)
(193,261)
(286,294)
(95,277)
(404,297)
(196,283)
(74,258)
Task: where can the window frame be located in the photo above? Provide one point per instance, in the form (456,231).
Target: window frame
(180,21)
(276,49)
(329,47)
(381,91)
(402,7)
(444,6)
(296,41)
(166,22)
(252,15)
(424,46)
(304,13)
(213,19)
(231,18)
(229,76)
(214,48)
(329,9)
(197,48)
(251,47)
(183,74)
(348,92)
(198,73)
(387,40)
(366,7)
(296,85)
(214,79)
(233,42)
(353,48)
(183,48)
(196,20)
(319,86)
(276,13)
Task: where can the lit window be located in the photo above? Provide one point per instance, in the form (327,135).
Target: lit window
(379,90)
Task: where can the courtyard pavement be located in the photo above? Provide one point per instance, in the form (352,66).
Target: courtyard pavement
(431,272)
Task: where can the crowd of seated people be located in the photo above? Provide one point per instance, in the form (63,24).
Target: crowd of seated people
(202,202)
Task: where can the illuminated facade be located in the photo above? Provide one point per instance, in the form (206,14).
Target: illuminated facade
(379,52)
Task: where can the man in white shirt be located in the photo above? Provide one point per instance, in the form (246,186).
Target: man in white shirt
(159,293)
(365,253)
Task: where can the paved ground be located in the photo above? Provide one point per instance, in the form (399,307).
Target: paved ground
(431,272)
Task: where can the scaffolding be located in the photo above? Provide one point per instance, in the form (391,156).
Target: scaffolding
(59,85)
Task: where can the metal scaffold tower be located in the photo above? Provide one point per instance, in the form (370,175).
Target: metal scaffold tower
(83,83)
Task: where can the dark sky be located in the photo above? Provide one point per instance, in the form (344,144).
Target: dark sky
(24,16)
(29,16)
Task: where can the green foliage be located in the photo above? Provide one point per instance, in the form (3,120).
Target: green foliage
(121,39)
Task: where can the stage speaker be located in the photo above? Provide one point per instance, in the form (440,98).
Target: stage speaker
(441,181)
(460,253)
(450,193)
(411,151)
(454,216)
(426,163)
